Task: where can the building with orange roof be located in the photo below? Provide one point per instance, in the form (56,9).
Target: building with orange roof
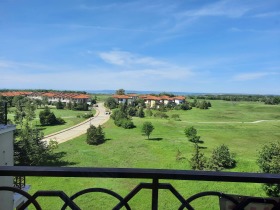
(150,100)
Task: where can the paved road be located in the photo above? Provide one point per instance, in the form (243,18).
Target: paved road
(77,130)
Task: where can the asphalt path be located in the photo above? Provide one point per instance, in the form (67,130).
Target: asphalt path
(64,135)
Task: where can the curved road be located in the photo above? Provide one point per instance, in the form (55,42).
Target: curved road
(64,135)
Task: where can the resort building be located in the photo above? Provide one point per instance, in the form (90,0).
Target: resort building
(52,96)
(150,100)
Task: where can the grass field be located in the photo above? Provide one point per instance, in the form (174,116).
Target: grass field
(69,116)
(227,123)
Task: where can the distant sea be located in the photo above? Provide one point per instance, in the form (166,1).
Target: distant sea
(142,92)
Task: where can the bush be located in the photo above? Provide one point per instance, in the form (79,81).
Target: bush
(198,161)
(269,162)
(127,124)
(110,103)
(60,121)
(59,105)
(140,113)
(175,117)
(47,117)
(131,111)
(87,115)
(95,135)
(161,115)
(149,112)
(221,158)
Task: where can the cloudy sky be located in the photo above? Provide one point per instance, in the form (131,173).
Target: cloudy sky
(225,46)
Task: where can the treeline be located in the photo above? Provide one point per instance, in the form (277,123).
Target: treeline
(43,90)
(267,99)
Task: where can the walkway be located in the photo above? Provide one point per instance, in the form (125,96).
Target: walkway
(64,135)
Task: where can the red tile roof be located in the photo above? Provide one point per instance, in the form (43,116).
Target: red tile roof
(121,96)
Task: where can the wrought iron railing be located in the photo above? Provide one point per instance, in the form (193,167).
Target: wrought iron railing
(155,175)
(19,182)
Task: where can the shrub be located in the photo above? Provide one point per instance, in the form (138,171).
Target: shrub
(59,105)
(47,117)
(161,115)
(110,103)
(87,115)
(140,113)
(149,112)
(175,117)
(269,162)
(95,135)
(147,129)
(127,124)
(221,158)
(198,161)
(60,121)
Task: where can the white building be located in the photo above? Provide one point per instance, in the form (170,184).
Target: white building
(8,200)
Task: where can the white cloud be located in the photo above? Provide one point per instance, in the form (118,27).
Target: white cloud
(252,76)
(124,58)
(137,66)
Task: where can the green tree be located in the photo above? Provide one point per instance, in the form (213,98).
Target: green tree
(19,113)
(110,103)
(269,162)
(140,112)
(47,117)
(191,133)
(59,105)
(175,117)
(120,92)
(149,112)
(95,135)
(29,110)
(147,129)
(45,100)
(198,161)
(221,158)
(29,148)
(2,112)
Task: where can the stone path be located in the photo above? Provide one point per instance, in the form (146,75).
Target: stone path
(64,135)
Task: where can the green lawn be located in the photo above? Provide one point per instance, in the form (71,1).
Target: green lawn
(69,116)
(128,148)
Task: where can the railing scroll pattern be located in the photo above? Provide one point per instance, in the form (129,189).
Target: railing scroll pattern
(155,175)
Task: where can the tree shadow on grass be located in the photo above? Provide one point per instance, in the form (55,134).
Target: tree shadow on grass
(155,139)
(55,159)
(108,140)
(201,147)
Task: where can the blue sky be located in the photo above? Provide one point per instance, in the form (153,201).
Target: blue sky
(227,46)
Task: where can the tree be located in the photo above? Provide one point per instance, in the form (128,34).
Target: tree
(30,149)
(45,100)
(191,133)
(147,129)
(59,105)
(120,92)
(19,113)
(47,117)
(2,112)
(198,161)
(95,135)
(221,158)
(269,162)
(140,112)
(29,110)
(110,103)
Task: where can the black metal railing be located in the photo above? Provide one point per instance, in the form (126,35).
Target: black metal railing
(155,175)
(19,182)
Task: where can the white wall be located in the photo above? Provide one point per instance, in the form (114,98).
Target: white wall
(6,159)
